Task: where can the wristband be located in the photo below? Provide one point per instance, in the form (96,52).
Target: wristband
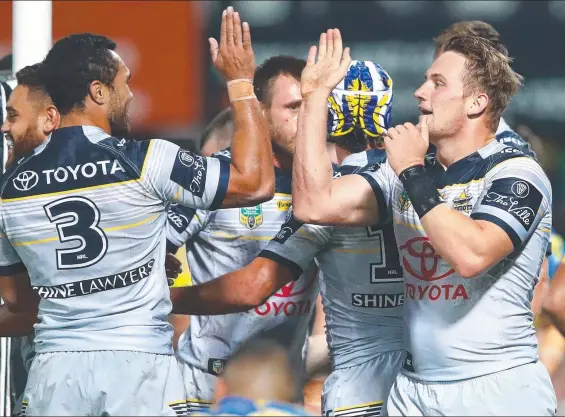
(240,89)
(420,189)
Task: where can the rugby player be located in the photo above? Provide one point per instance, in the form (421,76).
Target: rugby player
(472,223)
(258,380)
(221,241)
(504,133)
(85,214)
(361,281)
(31,117)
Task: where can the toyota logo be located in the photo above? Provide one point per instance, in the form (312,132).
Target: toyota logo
(26,180)
(289,289)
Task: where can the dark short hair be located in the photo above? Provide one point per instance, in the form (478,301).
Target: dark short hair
(73,64)
(269,70)
(222,119)
(30,76)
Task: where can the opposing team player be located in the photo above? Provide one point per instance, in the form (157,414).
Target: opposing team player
(362,287)
(224,240)
(472,223)
(85,214)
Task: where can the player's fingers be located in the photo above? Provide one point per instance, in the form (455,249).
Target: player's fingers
(311,60)
(424,128)
(214,48)
(345,61)
(223,29)
(391,133)
(246,35)
(229,26)
(409,126)
(338,44)
(330,44)
(322,47)
(237,29)
(171,274)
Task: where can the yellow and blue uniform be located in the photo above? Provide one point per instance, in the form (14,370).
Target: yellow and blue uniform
(240,406)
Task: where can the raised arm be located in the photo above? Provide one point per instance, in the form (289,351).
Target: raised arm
(251,175)
(316,197)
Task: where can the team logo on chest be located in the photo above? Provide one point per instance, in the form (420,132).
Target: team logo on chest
(251,217)
(463,202)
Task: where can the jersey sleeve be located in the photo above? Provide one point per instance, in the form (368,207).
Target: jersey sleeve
(183,223)
(381,178)
(182,177)
(517,197)
(297,244)
(10,262)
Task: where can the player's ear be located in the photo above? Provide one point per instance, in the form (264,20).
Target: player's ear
(98,92)
(477,105)
(52,119)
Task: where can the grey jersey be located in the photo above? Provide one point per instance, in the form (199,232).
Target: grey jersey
(223,241)
(86,215)
(362,287)
(459,328)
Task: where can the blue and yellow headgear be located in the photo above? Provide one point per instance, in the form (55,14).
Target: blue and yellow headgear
(362,100)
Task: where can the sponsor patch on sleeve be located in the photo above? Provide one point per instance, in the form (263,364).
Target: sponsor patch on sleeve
(189,171)
(516,196)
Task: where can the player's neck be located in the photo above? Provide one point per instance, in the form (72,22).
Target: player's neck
(82,119)
(282,160)
(454,148)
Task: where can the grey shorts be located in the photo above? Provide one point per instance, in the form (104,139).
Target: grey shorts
(104,383)
(361,390)
(199,386)
(521,391)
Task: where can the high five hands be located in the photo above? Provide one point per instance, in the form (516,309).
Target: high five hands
(323,74)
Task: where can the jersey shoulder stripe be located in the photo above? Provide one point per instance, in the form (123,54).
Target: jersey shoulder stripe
(57,167)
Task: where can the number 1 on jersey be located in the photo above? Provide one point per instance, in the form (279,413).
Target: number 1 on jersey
(77,219)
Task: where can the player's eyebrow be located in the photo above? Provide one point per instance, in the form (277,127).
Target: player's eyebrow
(434,76)
(294,103)
(10,109)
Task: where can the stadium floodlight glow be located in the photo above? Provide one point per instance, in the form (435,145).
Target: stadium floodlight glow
(31,32)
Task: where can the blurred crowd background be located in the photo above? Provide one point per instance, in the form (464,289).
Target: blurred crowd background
(177,92)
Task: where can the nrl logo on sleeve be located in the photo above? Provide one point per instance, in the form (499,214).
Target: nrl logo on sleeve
(251,217)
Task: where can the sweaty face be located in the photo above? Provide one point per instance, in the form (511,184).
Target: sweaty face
(120,99)
(442,96)
(23,127)
(282,113)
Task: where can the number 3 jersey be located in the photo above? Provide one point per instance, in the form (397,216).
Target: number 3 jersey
(362,287)
(86,215)
(228,239)
(459,328)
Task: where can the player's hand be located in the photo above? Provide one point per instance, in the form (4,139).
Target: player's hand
(325,72)
(173,267)
(406,145)
(233,57)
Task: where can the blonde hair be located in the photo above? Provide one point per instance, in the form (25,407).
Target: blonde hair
(487,70)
